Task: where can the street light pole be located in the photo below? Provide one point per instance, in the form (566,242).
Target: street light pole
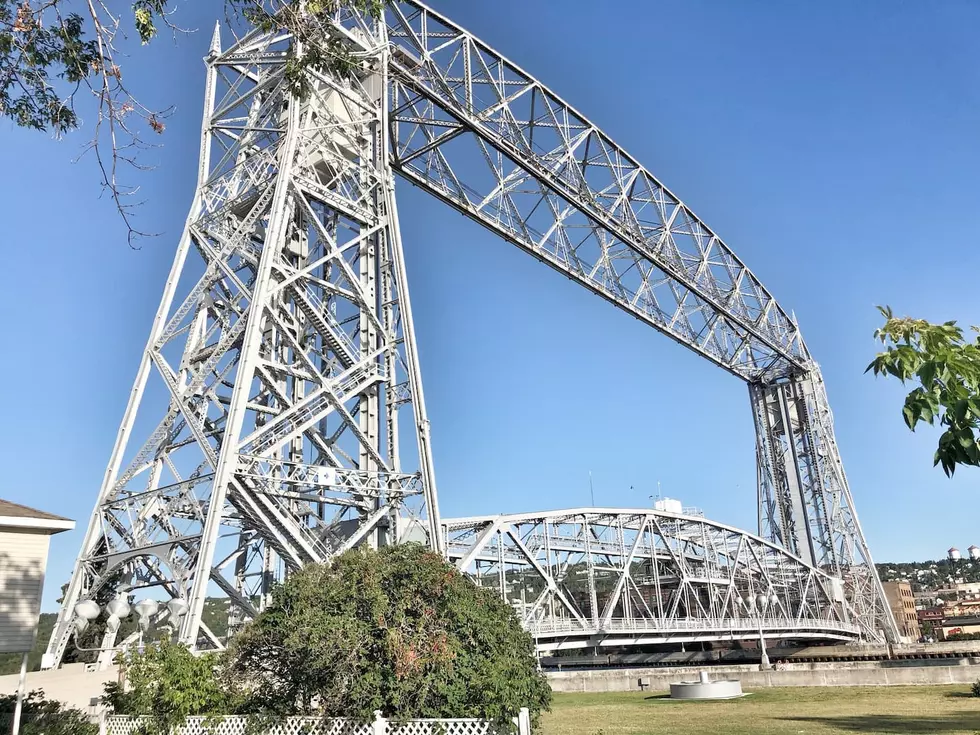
(764,661)
(756,606)
(20,695)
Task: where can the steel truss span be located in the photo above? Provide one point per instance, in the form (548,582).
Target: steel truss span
(278,417)
(593,577)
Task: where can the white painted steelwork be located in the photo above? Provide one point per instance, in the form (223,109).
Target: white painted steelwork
(278,416)
(591,577)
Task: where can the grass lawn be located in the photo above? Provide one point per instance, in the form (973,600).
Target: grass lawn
(790,711)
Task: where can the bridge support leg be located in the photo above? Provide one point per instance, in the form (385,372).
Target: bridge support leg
(806,504)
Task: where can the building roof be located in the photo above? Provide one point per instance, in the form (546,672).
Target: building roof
(972,548)
(953,548)
(15,515)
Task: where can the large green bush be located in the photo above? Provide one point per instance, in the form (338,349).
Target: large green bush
(397,630)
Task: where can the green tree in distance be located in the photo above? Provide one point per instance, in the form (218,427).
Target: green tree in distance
(947,368)
(56,53)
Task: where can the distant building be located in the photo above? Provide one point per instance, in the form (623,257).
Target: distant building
(931,615)
(926,599)
(974,552)
(902,604)
(968,591)
(961,608)
(954,554)
(965,625)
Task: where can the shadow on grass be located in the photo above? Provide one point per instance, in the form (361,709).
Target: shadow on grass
(897,723)
(961,695)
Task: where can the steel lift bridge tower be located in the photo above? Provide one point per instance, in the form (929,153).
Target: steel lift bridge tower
(278,418)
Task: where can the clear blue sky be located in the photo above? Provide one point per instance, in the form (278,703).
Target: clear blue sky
(834,145)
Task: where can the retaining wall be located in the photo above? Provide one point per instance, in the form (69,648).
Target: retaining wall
(854,673)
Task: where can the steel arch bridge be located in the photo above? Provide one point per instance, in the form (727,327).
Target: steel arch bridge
(593,577)
(278,416)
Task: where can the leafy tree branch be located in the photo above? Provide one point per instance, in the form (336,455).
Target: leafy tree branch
(57,54)
(946,365)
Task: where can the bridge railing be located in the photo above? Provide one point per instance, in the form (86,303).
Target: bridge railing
(668,625)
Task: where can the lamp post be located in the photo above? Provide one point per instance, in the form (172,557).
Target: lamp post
(87,611)
(761,601)
(757,606)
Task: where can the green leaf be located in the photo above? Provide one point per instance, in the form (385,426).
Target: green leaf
(909,413)
(927,372)
(144,24)
(397,629)
(965,438)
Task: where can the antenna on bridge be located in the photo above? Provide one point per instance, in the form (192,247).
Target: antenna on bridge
(591,489)
(216,39)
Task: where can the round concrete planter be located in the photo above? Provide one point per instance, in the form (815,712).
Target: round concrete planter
(704,689)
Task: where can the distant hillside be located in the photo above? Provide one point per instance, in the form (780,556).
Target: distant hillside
(930,575)
(10,662)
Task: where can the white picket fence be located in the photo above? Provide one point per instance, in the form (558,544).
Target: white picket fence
(120,725)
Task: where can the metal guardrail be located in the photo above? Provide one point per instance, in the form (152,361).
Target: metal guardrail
(680,625)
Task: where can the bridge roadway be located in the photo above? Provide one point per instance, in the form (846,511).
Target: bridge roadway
(559,635)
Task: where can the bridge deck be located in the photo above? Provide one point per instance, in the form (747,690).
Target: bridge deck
(552,635)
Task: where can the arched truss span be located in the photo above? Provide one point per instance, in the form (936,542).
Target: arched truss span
(613,577)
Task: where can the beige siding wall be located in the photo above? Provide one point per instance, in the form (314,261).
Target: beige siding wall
(22,558)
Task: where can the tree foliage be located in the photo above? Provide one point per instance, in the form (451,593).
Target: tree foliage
(167,683)
(396,630)
(40,716)
(50,50)
(930,575)
(947,367)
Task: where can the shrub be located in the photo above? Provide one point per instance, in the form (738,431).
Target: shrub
(167,683)
(975,688)
(40,716)
(397,630)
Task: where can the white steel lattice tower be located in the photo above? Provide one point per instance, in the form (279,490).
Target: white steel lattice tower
(291,396)
(278,413)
